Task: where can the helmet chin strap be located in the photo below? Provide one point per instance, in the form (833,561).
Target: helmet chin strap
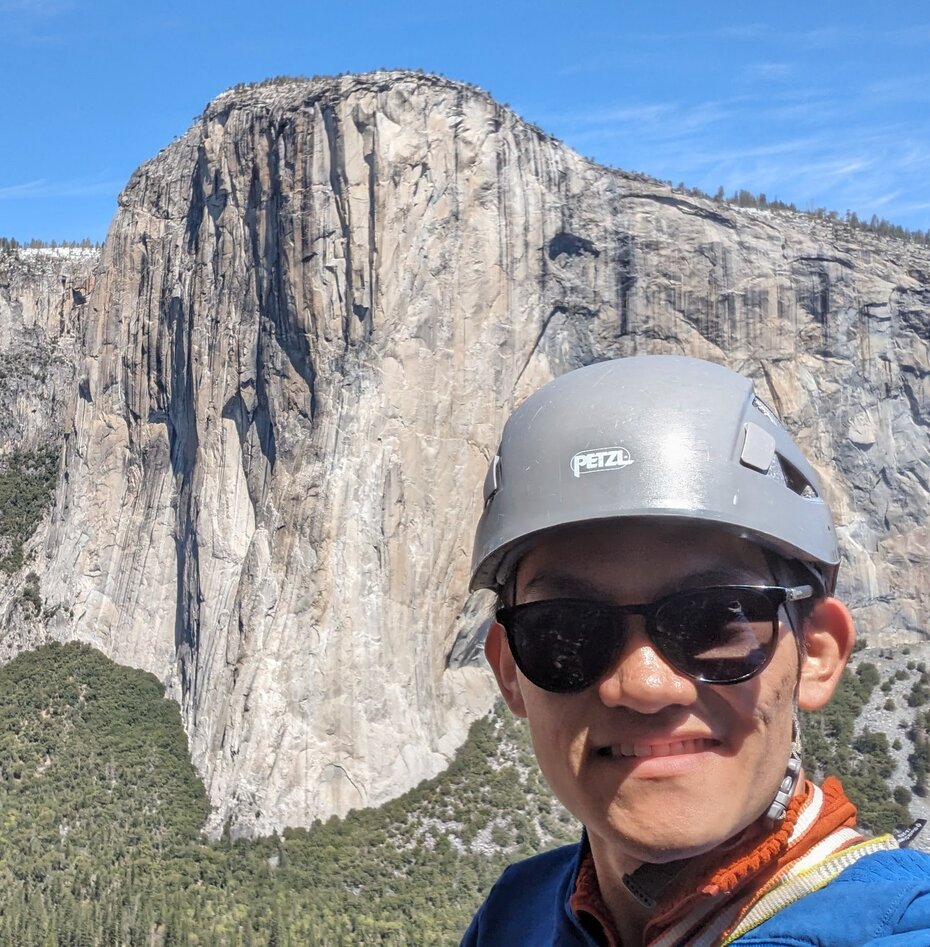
(786,789)
(647,882)
(779,807)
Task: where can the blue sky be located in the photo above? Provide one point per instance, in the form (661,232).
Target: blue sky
(819,103)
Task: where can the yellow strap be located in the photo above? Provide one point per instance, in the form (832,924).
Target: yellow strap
(795,887)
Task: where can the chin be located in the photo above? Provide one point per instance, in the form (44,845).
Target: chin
(658,851)
(674,839)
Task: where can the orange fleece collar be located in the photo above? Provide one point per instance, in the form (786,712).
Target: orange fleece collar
(813,814)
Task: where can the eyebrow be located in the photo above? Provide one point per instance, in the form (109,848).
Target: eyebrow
(564,585)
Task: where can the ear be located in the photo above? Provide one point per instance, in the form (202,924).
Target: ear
(497,651)
(829,635)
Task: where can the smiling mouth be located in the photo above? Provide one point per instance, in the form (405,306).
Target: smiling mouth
(672,748)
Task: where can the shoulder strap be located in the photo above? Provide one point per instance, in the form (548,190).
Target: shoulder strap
(795,886)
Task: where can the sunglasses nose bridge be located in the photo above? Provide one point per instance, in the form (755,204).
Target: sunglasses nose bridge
(638,620)
(640,676)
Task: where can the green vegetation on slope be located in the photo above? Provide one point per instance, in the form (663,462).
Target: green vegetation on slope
(27,479)
(101,812)
(100,844)
(864,763)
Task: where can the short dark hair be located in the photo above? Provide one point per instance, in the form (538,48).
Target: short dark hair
(793,572)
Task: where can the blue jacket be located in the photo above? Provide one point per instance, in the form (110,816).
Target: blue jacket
(883,900)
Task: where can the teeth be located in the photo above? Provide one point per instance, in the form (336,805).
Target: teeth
(676,748)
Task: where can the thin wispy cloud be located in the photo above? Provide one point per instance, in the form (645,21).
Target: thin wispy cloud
(883,200)
(788,148)
(798,114)
(671,119)
(646,112)
(916,35)
(812,108)
(736,31)
(914,88)
(36,8)
(33,23)
(577,68)
(827,38)
(770,70)
(825,177)
(912,157)
(812,39)
(45,188)
(28,189)
(740,31)
(815,148)
(911,207)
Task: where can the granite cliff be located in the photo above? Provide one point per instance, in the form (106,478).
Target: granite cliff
(43,300)
(311,315)
(43,303)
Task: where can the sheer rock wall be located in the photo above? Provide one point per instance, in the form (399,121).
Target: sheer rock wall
(43,304)
(314,311)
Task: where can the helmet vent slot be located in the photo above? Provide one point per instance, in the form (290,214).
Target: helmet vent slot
(796,481)
(765,410)
(492,481)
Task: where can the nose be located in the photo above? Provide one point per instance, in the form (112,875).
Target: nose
(641,679)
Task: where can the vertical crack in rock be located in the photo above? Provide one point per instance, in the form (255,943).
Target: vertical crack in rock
(183,447)
(337,183)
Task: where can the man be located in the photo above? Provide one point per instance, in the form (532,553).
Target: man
(665,564)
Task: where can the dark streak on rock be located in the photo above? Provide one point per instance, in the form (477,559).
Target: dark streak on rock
(840,261)
(686,207)
(570,244)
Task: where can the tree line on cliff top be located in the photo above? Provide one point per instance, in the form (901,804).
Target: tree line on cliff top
(10,244)
(739,198)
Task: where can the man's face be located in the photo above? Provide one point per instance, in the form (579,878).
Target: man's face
(656,766)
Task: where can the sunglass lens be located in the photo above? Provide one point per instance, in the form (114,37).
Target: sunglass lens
(718,635)
(562,646)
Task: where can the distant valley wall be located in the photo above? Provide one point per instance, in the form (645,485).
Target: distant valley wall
(43,302)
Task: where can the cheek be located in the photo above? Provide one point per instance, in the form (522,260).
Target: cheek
(780,689)
(773,722)
(558,734)
(764,706)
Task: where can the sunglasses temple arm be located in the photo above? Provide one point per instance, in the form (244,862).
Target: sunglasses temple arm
(798,593)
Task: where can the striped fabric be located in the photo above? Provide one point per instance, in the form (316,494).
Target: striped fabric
(805,863)
(797,883)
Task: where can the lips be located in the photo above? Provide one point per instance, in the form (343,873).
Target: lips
(635,749)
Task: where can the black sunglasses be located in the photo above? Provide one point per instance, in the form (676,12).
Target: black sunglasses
(718,635)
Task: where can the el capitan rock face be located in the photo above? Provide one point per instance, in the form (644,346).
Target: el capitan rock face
(313,313)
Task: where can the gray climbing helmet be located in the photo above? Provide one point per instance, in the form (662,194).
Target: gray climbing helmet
(654,436)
